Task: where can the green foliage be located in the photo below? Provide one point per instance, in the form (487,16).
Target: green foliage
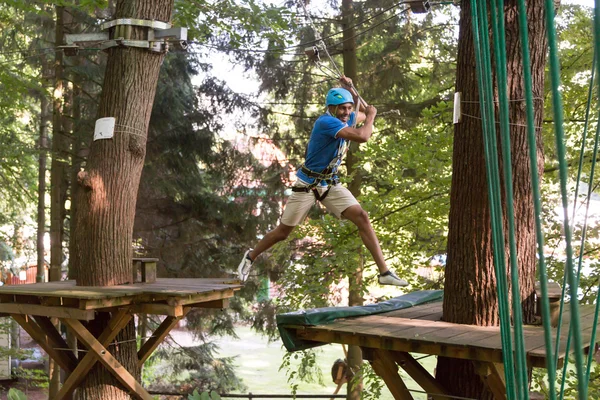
(212,395)
(191,367)
(301,366)
(32,377)
(15,394)
(234,24)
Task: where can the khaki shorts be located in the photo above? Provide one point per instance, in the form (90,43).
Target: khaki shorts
(298,205)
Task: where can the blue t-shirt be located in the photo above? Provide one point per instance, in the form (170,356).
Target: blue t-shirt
(323,145)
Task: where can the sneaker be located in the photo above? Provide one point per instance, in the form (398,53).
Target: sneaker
(390,278)
(244,267)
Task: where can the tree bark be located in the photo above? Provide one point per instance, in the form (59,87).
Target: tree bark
(470,295)
(355,360)
(41,212)
(58,182)
(106,200)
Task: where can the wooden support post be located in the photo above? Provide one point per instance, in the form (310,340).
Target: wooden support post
(157,337)
(144,269)
(385,367)
(107,359)
(492,375)
(419,374)
(37,334)
(50,330)
(119,320)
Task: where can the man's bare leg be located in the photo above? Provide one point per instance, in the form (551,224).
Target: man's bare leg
(360,218)
(270,239)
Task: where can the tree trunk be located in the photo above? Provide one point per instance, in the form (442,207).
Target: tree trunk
(470,295)
(41,212)
(106,201)
(355,383)
(58,183)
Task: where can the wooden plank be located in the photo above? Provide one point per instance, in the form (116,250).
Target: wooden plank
(399,344)
(118,321)
(388,371)
(492,375)
(420,375)
(46,311)
(68,289)
(206,297)
(157,337)
(157,309)
(219,304)
(107,359)
(37,334)
(50,330)
(418,312)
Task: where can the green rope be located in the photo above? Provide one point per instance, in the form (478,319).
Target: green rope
(581,251)
(531,139)
(584,229)
(497,12)
(481,45)
(561,155)
(576,196)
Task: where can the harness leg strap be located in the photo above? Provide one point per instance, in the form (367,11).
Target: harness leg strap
(321,197)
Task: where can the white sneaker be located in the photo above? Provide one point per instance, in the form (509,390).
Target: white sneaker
(244,267)
(392,279)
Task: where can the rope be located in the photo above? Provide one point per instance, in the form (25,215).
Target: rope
(561,155)
(483,63)
(531,140)
(497,9)
(321,45)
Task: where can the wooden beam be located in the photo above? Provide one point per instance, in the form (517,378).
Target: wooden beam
(157,337)
(158,309)
(419,374)
(50,330)
(492,375)
(387,369)
(107,359)
(220,304)
(206,297)
(37,334)
(47,311)
(119,320)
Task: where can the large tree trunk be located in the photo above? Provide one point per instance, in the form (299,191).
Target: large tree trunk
(58,181)
(106,202)
(470,295)
(355,360)
(41,212)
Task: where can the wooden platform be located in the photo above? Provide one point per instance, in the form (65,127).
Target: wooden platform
(387,340)
(32,306)
(420,329)
(166,296)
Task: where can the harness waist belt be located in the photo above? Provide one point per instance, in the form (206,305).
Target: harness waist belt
(325,175)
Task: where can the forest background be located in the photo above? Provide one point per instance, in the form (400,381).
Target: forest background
(220,161)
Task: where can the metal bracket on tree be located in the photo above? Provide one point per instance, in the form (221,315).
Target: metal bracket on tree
(159,36)
(419,6)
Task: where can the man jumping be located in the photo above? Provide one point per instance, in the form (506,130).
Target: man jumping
(318,180)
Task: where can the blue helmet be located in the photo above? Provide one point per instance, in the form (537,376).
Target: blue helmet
(337,96)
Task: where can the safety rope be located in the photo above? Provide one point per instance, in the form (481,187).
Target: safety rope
(484,77)
(532,142)
(497,14)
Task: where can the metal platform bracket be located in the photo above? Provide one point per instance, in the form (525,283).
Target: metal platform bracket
(160,36)
(419,6)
